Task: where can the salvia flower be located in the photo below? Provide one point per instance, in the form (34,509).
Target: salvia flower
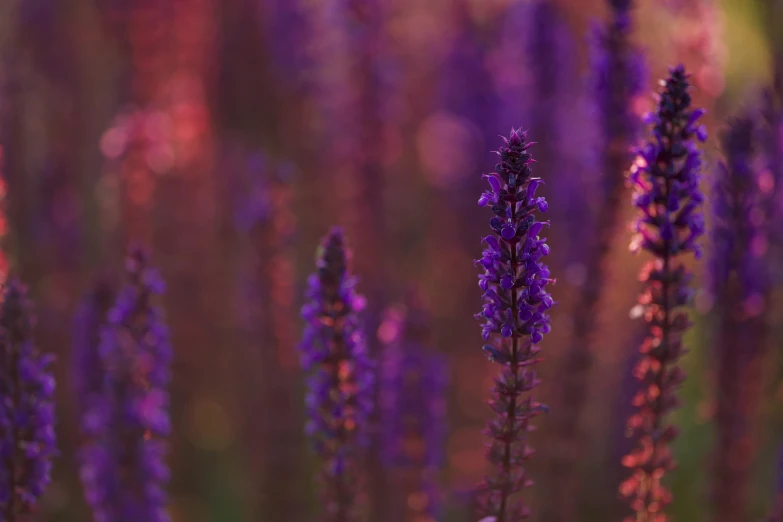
(341,379)
(413,410)
(665,179)
(738,284)
(515,319)
(27,438)
(123,466)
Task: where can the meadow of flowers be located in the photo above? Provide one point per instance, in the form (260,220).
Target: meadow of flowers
(547,277)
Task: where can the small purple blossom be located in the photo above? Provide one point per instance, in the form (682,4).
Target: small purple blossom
(341,378)
(515,320)
(413,409)
(665,179)
(123,466)
(27,437)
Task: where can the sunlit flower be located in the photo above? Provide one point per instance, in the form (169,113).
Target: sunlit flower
(667,196)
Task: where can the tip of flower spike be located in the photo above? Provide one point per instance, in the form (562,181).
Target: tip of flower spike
(621,5)
(14,287)
(139,268)
(138,256)
(332,254)
(17,308)
(336,233)
(678,71)
(516,138)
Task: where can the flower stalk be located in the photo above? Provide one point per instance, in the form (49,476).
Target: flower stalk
(341,379)
(515,319)
(665,178)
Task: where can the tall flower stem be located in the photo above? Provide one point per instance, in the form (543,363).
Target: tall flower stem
(665,178)
(515,321)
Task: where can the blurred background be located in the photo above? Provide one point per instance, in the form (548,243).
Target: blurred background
(229,134)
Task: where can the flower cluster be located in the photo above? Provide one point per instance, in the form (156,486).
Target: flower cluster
(27,438)
(665,179)
(516,302)
(123,465)
(339,399)
(413,408)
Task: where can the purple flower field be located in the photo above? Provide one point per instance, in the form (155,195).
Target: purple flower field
(391,261)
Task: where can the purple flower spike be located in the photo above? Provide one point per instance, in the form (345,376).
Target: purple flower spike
(339,399)
(123,466)
(665,177)
(739,283)
(413,411)
(27,438)
(515,320)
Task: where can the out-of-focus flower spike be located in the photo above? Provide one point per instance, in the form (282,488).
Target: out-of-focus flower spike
(666,186)
(617,79)
(739,280)
(413,409)
(341,380)
(27,437)
(126,422)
